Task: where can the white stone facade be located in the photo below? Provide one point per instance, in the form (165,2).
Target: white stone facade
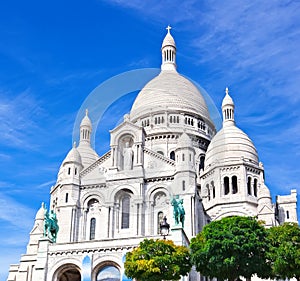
(166,147)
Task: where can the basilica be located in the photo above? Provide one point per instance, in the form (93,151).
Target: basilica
(165,152)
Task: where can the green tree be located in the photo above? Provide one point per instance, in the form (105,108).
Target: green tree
(284,251)
(230,248)
(156,260)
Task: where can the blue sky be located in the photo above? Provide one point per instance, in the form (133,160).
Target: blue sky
(54,53)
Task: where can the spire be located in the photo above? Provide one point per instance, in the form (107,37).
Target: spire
(228,109)
(85,129)
(168,51)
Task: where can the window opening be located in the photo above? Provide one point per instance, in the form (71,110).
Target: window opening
(255,187)
(234,185)
(226,185)
(249,185)
(125,212)
(92,228)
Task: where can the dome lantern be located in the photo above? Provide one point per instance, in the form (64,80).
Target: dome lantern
(168,52)
(85,129)
(228,109)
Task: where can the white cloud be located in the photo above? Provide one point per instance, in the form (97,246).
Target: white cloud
(46,184)
(15,213)
(17,123)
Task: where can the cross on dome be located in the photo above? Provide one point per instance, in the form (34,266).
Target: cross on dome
(227,91)
(169,28)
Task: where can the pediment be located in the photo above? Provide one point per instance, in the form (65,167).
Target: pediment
(265,210)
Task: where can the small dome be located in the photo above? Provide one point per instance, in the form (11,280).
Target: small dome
(40,213)
(227,99)
(264,192)
(73,156)
(169,90)
(86,121)
(168,41)
(88,155)
(230,144)
(184,141)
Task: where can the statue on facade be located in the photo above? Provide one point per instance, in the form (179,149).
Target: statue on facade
(127,157)
(50,225)
(178,211)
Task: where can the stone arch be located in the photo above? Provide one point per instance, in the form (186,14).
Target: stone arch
(102,264)
(119,188)
(93,212)
(123,134)
(158,199)
(91,195)
(67,270)
(124,209)
(157,187)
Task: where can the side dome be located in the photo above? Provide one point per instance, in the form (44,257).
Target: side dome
(184,141)
(264,192)
(228,145)
(40,215)
(73,156)
(86,121)
(169,91)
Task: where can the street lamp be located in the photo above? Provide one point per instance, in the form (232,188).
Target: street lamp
(164,228)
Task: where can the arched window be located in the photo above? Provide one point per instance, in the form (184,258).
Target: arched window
(234,185)
(92,228)
(287,214)
(182,156)
(255,187)
(160,217)
(183,185)
(172,155)
(208,192)
(213,189)
(69,171)
(249,185)
(125,212)
(67,197)
(201,164)
(226,185)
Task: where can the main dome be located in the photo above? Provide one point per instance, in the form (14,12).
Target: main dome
(169,91)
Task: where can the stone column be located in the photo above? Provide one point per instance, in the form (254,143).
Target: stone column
(40,272)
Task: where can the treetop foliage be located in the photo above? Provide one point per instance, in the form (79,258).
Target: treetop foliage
(156,260)
(284,252)
(231,247)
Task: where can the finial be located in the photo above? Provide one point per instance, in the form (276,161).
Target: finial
(86,112)
(169,28)
(74,144)
(226,91)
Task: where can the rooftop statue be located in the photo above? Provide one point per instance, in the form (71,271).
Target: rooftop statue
(50,225)
(178,211)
